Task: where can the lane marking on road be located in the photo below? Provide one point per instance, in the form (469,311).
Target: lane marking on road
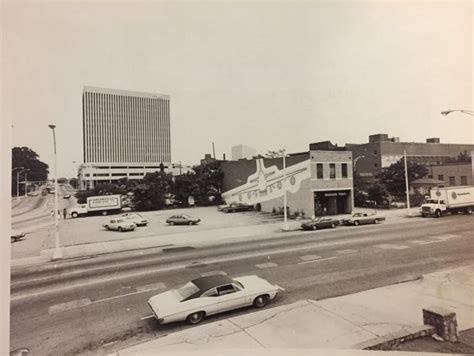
(425,242)
(147,317)
(391,247)
(68,306)
(346,252)
(310,257)
(212,273)
(153,286)
(444,237)
(266,265)
(318,260)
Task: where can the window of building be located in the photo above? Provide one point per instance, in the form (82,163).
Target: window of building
(344,170)
(441,177)
(376,165)
(463,180)
(375,152)
(101,174)
(452,180)
(135,174)
(430,176)
(332,170)
(319,171)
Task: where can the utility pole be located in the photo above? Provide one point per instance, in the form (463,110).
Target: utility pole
(285,217)
(406,182)
(213,151)
(57,251)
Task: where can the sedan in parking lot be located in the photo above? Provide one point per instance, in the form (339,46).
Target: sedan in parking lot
(363,218)
(135,218)
(182,219)
(17,235)
(119,225)
(210,295)
(237,207)
(320,223)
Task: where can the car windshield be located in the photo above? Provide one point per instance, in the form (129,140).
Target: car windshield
(316,219)
(187,290)
(239,284)
(120,220)
(431,201)
(357,215)
(185,216)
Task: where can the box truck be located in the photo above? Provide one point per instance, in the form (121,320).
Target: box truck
(104,204)
(449,200)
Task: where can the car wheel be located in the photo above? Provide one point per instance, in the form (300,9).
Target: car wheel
(468,211)
(195,318)
(107,228)
(120,229)
(438,213)
(171,223)
(74,215)
(190,223)
(377,221)
(333,226)
(356,223)
(104,213)
(315,227)
(260,301)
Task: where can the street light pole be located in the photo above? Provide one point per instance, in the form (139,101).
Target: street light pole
(57,251)
(285,215)
(18,180)
(26,176)
(406,183)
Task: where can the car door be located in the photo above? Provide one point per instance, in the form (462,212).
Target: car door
(230,297)
(113,225)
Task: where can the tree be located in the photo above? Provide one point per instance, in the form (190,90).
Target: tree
(209,177)
(393,177)
(377,193)
(28,159)
(151,192)
(462,157)
(99,189)
(73,182)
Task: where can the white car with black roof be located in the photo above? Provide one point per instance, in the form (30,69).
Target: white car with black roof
(210,295)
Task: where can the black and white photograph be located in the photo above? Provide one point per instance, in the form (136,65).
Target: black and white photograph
(237,177)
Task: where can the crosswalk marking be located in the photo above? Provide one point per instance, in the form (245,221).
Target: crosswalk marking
(310,257)
(212,273)
(391,247)
(346,252)
(266,265)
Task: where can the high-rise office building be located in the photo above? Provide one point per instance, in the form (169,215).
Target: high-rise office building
(242,151)
(125,135)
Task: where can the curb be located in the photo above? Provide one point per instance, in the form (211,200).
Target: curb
(390,341)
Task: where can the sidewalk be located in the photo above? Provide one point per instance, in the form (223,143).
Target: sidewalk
(355,321)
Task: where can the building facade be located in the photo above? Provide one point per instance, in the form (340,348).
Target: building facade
(318,182)
(381,151)
(242,151)
(125,134)
(453,174)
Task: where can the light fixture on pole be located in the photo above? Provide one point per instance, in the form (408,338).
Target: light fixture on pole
(406,182)
(447,112)
(57,251)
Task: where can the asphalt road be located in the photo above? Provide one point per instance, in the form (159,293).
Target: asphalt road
(98,305)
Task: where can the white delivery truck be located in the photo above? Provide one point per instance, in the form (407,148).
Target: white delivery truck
(449,200)
(103,204)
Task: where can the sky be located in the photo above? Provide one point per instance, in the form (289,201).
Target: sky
(266,75)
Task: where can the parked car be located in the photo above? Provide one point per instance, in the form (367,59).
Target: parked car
(320,223)
(120,225)
(182,219)
(211,295)
(135,218)
(17,235)
(363,218)
(66,196)
(237,207)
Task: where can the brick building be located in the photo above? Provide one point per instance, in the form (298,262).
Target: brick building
(381,151)
(318,182)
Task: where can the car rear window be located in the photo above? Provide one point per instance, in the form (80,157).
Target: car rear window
(187,290)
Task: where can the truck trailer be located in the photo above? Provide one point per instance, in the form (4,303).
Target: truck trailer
(449,200)
(103,204)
